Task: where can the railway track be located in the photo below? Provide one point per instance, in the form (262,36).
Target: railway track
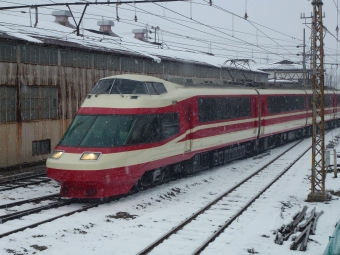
(23,181)
(18,214)
(62,202)
(83,207)
(204,226)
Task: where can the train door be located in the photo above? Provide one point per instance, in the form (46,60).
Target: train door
(306,106)
(333,105)
(188,118)
(257,122)
(263,113)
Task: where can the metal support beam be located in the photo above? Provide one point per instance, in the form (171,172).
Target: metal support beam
(239,64)
(36,17)
(81,18)
(318,139)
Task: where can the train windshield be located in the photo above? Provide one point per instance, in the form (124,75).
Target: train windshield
(119,86)
(120,130)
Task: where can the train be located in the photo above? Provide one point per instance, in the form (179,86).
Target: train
(137,131)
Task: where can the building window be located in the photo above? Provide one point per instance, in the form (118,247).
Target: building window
(8,52)
(41,147)
(132,65)
(109,62)
(38,55)
(8,97)
(39,103)
(76,59)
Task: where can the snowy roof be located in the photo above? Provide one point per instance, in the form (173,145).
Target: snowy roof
(282,65)
(282,81)
(51,32)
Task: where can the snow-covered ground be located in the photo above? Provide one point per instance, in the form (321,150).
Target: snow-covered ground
(30,191)
(150,214)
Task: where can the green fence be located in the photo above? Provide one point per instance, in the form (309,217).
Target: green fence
(333,247)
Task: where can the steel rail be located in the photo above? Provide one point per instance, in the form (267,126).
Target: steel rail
(207,207)
(18,215)
(49,220)
(85,208)
(88,3)
(23,185)
(222,228)
(37,199)
(21,179)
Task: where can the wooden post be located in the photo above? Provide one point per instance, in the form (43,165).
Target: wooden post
(335,165)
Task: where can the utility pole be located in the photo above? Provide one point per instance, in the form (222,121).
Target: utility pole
(318,139)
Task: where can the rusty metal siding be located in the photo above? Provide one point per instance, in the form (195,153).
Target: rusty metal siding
(17,147)
(37,75)
(8,73)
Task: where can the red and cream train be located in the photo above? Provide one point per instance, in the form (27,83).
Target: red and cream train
(133,131)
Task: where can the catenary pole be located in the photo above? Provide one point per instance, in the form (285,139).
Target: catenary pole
(318,136)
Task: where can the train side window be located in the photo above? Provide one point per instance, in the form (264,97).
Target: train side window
(145,130)
(328,101)
(244,103)
(275,104)
(211,109)
(206,109)
(233,108)
(160,88)
(310,102)
(151,89)
(221,108)
(169,125)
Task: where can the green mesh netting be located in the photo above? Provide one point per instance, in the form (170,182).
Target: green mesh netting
(333,247)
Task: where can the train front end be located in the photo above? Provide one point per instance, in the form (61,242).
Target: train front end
(112,140)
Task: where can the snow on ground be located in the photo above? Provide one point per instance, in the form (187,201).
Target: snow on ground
(30,191)
(149,214)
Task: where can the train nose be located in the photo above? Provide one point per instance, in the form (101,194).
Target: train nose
(64,190)
(84,190)
(91,192)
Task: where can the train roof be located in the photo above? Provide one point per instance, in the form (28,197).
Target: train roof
(175,93)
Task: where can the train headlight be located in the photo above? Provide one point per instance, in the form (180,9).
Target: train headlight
(90,155)
(56,154)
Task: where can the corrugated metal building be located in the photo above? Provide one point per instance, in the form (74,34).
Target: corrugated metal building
(42,85)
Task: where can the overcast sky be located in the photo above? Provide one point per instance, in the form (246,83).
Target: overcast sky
(271,33)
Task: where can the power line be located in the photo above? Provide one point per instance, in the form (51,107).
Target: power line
(238,16)
(217,30)
(86,4)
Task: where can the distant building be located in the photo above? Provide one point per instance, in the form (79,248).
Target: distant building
(287,72)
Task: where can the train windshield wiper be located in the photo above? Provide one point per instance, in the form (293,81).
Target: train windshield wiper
(116,88)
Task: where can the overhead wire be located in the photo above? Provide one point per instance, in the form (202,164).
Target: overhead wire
(198,22)
(252,23)
(232,40)
(162,6)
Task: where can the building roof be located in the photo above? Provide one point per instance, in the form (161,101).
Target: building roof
(22,27)
(284,65)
